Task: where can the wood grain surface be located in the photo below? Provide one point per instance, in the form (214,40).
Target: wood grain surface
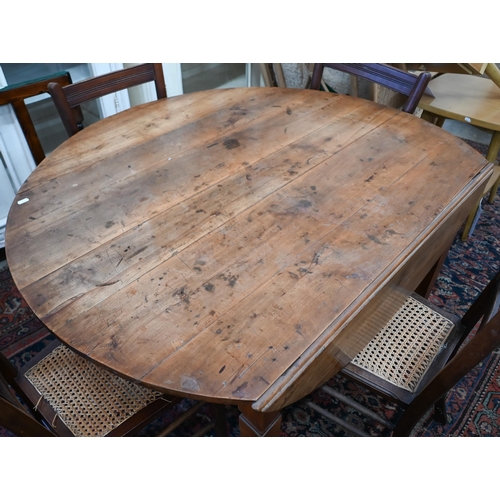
(237,245)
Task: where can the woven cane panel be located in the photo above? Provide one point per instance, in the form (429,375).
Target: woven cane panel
(90,400)
(402,352)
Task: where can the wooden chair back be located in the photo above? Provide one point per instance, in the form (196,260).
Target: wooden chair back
(67,99)
(16,95)
(485,311)
(395,79)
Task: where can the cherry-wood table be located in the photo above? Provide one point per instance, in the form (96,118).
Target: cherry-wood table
(238,246)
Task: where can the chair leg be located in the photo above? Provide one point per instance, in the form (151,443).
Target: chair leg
(218,412)
(492,156)
(440,121)
(440,411)
(429,117)
(470,220)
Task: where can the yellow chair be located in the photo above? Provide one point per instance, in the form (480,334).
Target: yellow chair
(471,98)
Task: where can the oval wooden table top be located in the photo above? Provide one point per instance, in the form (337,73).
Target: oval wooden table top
(237,245)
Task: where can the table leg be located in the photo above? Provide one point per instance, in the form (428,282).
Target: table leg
(429,117)
(427,284)
(258,424)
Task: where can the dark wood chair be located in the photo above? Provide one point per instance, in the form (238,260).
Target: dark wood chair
(395,79)
(16,95)
(419,356)
(59,393)
(68,99)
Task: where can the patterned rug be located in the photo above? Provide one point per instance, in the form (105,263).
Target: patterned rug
(473,405)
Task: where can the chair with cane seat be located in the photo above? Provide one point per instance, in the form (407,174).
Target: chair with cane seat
(16,95)
(64,394)
(67,99)
(395,79)
(419,356)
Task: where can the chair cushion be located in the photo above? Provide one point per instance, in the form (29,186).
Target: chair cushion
(91,401)
(403,350)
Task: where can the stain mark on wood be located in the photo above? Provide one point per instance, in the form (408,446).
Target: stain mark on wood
(181,293)
(375,239)
(109,283)
(238,391)
(137,252)
(230,279)
(304,204)
(231,143)
(190,384)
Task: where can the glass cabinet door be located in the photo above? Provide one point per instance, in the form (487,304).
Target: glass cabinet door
(212,75)
(192,77)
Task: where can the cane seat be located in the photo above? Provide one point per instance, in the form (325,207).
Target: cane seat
(421,353)
(402,352)
(62,393)
(89,400)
